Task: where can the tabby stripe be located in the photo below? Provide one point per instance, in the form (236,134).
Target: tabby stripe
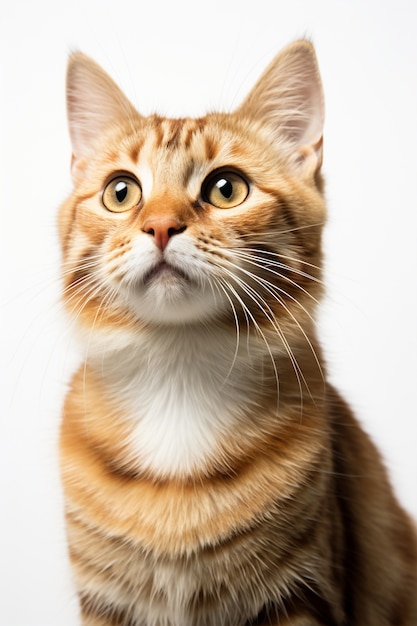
(210,147)
(71,222)
(190,132)
(82,271)
(189,171)
(290,219)
(135,150)
(174,132)
(159,133)
(67,235)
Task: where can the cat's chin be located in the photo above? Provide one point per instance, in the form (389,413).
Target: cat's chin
(166,275)
(169,297)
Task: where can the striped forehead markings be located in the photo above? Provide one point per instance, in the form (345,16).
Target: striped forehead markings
(171,133)
(170,136)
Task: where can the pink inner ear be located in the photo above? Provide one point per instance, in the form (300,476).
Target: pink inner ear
(77,166)
(288,98)
(94,103)
(310,158)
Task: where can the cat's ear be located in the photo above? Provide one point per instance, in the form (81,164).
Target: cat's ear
(94,104)
(288,101)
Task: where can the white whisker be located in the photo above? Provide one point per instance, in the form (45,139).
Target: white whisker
(258,329)
(270,315)
(269,288)
(281,232)
(269,285)
(266,267)
(235,316)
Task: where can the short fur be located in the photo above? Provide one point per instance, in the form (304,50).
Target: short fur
(212,475)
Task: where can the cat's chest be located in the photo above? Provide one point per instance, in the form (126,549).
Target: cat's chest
(182,398)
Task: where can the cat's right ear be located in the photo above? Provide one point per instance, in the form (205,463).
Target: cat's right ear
(94,104)
(288,102)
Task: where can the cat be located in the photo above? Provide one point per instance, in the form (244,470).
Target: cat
(212,475)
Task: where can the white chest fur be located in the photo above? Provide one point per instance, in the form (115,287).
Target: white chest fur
(184,391)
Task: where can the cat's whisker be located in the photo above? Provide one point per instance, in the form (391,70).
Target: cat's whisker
(277,255)
(271,289)
(75,263)
(276,232)
(281,301)
(246,254)
(247,320)
(105,303)
(88,288)
(86,269)
(302,261)
(236,319)
(270,315)
(80,287)
(258,329)
(215,288)
(278,292)
(267,263)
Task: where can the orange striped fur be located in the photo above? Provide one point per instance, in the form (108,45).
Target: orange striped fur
(212,475)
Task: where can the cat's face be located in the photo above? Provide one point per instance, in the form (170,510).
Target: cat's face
(175,221)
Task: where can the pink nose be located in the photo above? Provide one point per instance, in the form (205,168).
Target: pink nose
(162,229)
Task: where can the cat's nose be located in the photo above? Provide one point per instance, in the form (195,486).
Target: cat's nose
(162,229)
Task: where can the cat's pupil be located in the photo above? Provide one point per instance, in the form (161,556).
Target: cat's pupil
(121,191)
(225,187)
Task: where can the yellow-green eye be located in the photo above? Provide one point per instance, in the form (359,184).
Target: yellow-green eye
(225,190)
(121,194)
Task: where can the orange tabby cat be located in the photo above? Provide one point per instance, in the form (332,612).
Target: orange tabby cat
(212,475)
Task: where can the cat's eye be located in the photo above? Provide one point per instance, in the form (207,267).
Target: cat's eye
(122,194)
(225,189)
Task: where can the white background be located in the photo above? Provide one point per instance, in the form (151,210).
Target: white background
(183,58)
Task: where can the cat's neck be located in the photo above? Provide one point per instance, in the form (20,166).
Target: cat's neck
(184,390)
(209,351)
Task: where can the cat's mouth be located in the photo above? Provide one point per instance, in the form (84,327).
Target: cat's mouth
(164,271)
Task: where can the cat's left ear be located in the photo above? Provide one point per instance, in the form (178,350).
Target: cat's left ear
(288,101)
(94,104)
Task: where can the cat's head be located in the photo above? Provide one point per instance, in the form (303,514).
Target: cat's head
(181,221)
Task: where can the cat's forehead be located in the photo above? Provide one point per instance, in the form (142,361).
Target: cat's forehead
(180,151)
(172,147)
